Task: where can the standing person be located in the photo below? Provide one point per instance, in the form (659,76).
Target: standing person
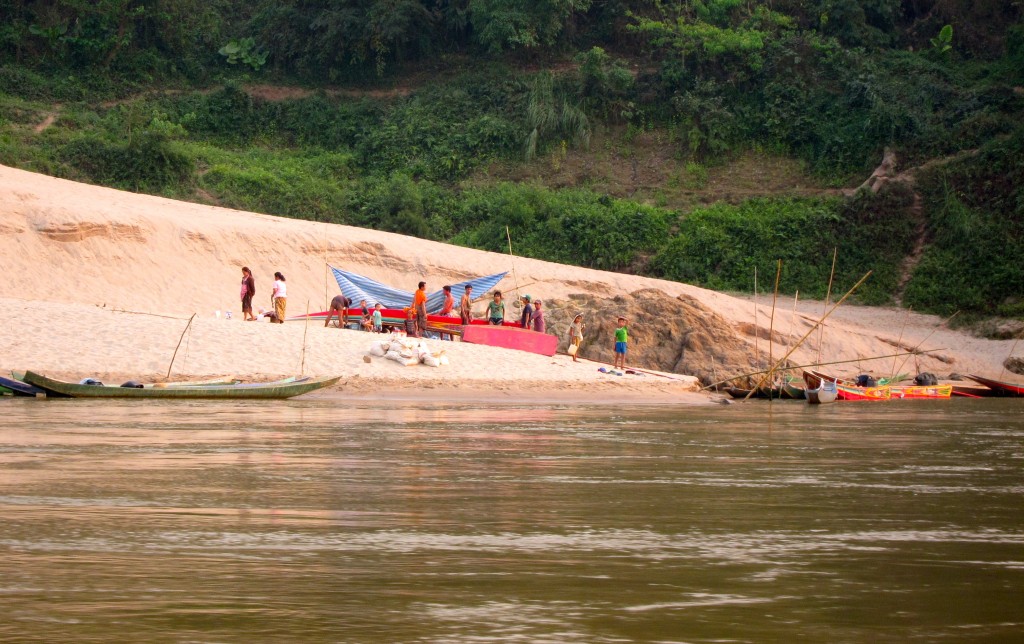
(538,317)
(248,290)
(496,310)
(339,305)
(378,319)
(419,305)
(576,330)
(527,316)
(449,301)
(621,340)
(466,305)
(411,329)
(279,297)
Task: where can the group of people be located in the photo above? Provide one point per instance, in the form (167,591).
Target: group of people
(532,315)
(278,297)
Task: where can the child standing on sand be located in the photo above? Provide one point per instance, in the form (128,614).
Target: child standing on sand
(576,335)
(621,341)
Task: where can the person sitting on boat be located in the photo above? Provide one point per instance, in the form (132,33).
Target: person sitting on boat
(526,319)
(496,310)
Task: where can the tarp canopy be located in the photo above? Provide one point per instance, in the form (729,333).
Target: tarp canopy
(357,287)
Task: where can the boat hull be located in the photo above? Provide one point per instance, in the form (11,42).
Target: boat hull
(846,392)
(270,391)
(998,387)
(826,393)
(511,338)
(924,392)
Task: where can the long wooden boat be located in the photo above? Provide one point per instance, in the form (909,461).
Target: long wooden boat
(849,392)
(223,380)
(19,388)
(827,392)
(271,390)
(921,391)
(761,393)
(999,387)
(791,389)
(973,390)
(511,338)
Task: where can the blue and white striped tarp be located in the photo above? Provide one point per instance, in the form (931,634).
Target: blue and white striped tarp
(356,287)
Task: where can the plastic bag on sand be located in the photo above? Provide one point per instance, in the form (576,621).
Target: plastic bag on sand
(431,361)
(378,349)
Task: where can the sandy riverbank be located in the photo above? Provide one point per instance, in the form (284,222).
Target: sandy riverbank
(99,282)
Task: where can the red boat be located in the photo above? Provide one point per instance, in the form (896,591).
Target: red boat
(847,392)
(921,391)
(511,338)
(998,387)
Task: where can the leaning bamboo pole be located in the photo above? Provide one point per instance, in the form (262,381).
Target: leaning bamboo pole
(946,321)
(824,364)
(179,345)
(771,323)
(808,334)
(828,294)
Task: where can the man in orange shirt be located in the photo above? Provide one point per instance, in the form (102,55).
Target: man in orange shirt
(419,305)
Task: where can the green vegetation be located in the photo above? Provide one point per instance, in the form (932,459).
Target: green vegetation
(417,117)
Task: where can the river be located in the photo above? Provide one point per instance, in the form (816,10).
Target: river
(323,520)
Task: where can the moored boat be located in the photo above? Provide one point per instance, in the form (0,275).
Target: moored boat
(271,390)
(826,392)
(849,392)
(19,388)
(998,387)
(921,391)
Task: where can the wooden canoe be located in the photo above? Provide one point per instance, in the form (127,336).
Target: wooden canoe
(270,391)
(999,387)
(825,393)
(19,388)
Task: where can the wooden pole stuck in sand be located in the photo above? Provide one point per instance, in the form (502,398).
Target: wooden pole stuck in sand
(179,345)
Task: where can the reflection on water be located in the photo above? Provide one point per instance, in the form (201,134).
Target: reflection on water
(315,520)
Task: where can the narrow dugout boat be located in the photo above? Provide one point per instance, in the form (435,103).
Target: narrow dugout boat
(19,388)
(270,391)
(998,387)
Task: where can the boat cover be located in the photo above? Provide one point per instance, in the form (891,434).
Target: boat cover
(357,287)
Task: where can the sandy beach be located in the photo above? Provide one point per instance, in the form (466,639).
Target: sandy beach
(103,283)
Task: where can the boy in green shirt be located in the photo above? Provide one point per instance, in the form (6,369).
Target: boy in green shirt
(621,340)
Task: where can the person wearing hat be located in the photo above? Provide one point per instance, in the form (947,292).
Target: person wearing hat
(576,330)
(526,319)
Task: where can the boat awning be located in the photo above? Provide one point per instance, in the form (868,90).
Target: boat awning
(358,287)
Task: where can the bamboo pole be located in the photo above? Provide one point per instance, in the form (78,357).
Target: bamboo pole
(512,259)
(305,330)
(179,345)
(899,342)
(824,364)
(807,335)
(828,294)
(771,324)
(757,349)
(946,321)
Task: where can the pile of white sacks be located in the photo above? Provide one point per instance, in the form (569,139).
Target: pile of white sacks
(407,351)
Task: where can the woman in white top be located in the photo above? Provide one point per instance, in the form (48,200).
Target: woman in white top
(280,296)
